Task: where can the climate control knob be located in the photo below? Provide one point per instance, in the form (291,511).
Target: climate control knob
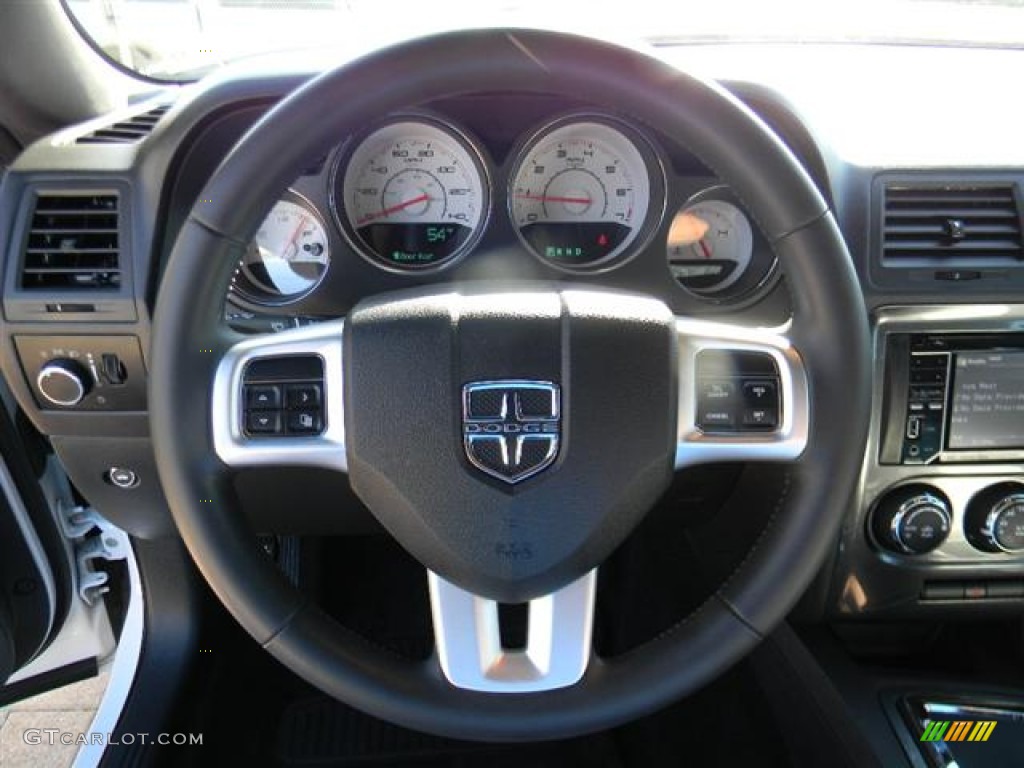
(912,520)
(64,382)
(995,519)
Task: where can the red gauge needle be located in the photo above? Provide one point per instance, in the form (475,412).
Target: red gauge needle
(295,235)
(556,199)
(394,209)
(704,249)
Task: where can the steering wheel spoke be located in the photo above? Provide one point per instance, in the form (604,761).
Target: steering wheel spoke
(743,395)
(278,400)
(467,635)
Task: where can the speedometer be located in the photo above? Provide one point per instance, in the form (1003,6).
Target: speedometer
(414,195)
(580,194)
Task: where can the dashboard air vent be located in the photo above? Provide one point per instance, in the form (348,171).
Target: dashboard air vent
(951,223)
(73,243)
(128,131)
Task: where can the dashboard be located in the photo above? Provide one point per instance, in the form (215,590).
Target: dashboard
(502,186)
(521,187)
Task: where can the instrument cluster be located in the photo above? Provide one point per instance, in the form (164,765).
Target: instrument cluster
(583,194)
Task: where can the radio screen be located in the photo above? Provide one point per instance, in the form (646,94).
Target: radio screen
(988,401)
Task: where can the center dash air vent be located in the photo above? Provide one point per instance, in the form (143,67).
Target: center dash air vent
(943,224)
(128,131)
(73,243)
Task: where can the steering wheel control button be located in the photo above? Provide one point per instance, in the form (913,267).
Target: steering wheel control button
(737,392)
(994,521)
(912,520)
(263,423)
(767,418)
(303,396)
(264,397)
(717,405)
(123,478)
(305,422)
(760,393)
(511,428)
(284,396)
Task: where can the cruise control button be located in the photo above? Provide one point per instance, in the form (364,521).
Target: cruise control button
(303,395)
(716,405)
(305,422)
(712,391)
(263,422)
(262,397)
(760,394)
(712,418)
(760,417)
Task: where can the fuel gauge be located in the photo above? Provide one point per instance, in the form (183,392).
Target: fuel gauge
(288,256)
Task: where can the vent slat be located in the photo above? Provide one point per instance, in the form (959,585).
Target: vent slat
(931,211)
(127,131)
(66,271)
(938,230)
(944,223)
(73,243)
(69,231)
(75,251)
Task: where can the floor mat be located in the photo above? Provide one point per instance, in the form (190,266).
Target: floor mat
(318,732)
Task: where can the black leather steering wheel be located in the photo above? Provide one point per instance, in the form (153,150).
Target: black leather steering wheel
(624,377)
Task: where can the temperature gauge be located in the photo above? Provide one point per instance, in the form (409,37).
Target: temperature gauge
(712,249)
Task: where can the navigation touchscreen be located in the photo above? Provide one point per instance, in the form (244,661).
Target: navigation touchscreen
(987,400)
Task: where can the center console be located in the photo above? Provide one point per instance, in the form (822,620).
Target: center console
(938,520)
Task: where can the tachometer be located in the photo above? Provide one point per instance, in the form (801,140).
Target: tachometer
(413,195)
(287,257)
(580,194)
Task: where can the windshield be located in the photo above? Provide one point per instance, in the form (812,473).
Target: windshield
(182,39)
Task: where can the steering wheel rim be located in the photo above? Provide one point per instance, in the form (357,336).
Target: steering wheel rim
(828,329)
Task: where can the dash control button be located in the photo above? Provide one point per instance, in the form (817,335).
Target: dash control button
(122,477)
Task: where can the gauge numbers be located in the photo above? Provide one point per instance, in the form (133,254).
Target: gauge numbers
(287,257)
(414,196)
(580,194)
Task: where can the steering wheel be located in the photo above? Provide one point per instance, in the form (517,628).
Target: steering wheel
(594,392)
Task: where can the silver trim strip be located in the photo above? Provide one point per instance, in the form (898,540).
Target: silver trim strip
(785,443)
(468,638)
(122,672)
(227,410)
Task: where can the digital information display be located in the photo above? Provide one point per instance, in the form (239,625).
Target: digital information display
(988,401)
